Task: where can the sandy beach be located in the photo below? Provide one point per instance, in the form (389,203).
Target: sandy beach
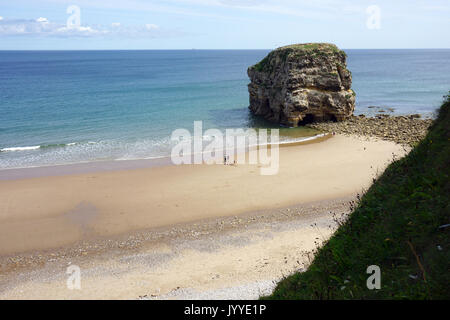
(179,231)
(228,258)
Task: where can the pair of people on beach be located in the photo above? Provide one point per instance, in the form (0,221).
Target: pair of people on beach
(226,159)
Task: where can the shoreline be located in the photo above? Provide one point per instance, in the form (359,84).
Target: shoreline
(116,165)
(405,130)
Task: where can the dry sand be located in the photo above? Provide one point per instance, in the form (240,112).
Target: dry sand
(230,258)
(127,229)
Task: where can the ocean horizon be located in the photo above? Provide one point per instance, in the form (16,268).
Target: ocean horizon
(61,107)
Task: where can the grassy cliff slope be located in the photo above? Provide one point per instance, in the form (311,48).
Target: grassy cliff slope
(399,225)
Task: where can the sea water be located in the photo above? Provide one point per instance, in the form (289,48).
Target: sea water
(60,107)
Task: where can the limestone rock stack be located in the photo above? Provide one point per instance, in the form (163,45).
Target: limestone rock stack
(302,83)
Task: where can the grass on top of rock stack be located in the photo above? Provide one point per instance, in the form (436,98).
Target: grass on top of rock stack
(400,225)
(299,50)
(313,47)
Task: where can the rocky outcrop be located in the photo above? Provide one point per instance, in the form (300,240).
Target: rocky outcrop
(405,130)
(302,83)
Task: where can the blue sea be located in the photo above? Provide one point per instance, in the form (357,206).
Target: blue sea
(59,107)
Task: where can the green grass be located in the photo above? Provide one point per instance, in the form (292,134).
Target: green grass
(298,50)
(395,225)
(326,47)
(263,64)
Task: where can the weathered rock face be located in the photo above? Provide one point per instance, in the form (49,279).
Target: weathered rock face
(302,83)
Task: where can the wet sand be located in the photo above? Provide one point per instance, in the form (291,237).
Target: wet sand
(50,212)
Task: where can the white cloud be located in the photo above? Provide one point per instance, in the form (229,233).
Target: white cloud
(43,27)
(1,18)
(150,26)
(42,20)
(79,31)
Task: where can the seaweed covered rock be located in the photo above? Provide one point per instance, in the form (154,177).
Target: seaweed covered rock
(302,83)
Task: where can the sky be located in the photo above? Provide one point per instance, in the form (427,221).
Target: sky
(221,24)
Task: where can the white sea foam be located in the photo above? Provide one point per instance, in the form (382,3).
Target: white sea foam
(20,148)
(90,151)
(28,148)
(303,139)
